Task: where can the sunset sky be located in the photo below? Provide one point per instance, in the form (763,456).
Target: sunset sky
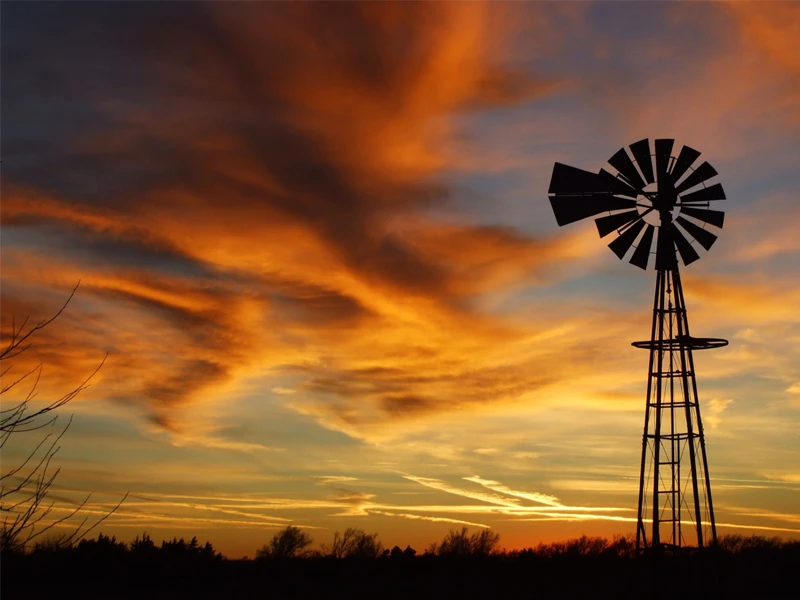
(315,242)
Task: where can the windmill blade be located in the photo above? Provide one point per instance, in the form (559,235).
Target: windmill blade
(704,237)
(713,217)
(685,160)
(642,252)
(569,209)
(606,225)
(615,184)
(685,249)
(623,243)
(641,152)
(571,181)
(663,155)
(715,192)
(703,172)
(623,163)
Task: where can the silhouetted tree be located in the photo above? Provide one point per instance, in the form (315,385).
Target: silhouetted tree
(397,552)
(287,543)
(587,546)
(460,543)
(623,546)
(484,542)
(182,551)
(24,487)
(143,545)
(738,544)
(104,548)
(52,542)
(355,543)
(455,543)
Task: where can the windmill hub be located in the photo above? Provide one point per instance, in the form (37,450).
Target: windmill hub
(658,204)
(652,209)
(665,203)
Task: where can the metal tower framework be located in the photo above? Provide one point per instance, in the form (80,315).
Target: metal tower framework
(674,485)
(659,204)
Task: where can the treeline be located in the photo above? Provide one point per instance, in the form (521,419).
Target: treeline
(108,548)
(354,564)
(294,543)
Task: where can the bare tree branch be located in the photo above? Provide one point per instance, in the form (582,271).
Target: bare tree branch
(24,488)
(18,336)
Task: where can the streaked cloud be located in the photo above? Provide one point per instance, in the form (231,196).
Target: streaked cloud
(432,519)
(499,487)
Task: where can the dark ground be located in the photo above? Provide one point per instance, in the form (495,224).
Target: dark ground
(710,574)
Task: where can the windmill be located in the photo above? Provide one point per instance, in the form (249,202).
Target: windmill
(658,206)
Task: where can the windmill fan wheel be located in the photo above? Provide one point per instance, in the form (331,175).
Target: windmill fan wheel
(655,202)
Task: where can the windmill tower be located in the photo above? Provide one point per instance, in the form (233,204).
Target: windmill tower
(662,213)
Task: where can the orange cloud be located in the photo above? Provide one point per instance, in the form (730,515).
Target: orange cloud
(771,28)
(262,207)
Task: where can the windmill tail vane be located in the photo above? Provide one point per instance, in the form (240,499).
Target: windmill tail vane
(658,204)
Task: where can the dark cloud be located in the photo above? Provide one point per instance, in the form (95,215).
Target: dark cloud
(135,251)
(187,378)
(405,405)
(396,392)
(314,305)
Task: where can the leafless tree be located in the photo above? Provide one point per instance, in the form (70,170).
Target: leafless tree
(287,543)
(24,488)
(460,543)
(355,543)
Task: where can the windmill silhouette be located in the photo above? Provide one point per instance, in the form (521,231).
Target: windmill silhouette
(662,211)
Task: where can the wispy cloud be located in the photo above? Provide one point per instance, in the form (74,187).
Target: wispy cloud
(499,487)
(438,484)
(432,519)
(328,479)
